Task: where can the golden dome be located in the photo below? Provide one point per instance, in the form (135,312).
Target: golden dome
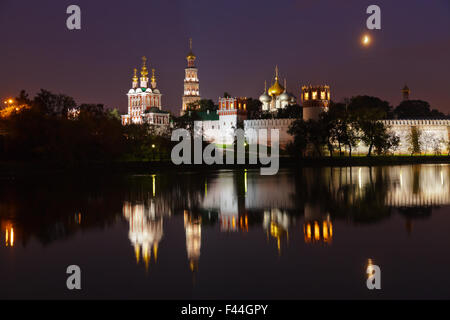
(276,89)
(144,71)
(191,56)
(135,77)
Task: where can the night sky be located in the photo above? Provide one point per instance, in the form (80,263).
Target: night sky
(237,43)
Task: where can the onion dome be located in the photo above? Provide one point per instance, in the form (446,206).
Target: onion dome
(131,91)
(156,91)
(264,98)
(135,77)
(138,90)
(292,99)
(144,71)
(276,89)
(284,96)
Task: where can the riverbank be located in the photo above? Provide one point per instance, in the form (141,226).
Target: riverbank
(9,169)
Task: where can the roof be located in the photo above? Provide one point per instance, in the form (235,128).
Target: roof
(205,116)
(156,110)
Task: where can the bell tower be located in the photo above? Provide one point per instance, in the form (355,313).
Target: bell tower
(191,83)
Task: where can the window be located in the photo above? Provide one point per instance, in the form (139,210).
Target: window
(322,95)
(314,95)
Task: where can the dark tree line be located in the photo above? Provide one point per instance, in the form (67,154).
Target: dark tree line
(45,131)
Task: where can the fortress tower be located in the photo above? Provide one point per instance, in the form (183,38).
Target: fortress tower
(315,99)
(191,83)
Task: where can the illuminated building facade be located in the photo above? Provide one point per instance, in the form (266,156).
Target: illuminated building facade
(191,92)
(144,100)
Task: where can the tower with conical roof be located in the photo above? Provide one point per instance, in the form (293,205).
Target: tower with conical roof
(191,92)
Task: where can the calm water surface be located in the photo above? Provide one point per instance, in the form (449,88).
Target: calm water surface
(308,233)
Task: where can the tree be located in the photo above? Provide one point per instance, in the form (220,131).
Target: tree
(366,111)
(416,109)
(294,111)
(202,105)
(53,104)
(254,108)
(299,130)
(414,141)
(378,108)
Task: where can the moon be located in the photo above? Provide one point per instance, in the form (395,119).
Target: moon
(366,40)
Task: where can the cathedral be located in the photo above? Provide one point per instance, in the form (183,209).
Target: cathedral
(277,97)
(144,100)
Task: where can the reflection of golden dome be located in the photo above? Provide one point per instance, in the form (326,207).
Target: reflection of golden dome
(276,89)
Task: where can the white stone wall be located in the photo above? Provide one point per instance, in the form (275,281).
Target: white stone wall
(221,131)
(434,133)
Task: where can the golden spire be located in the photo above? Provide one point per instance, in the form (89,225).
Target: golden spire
(265,86)
(135,77)
(276,73)
(191,55)
(153,75)
(144,71)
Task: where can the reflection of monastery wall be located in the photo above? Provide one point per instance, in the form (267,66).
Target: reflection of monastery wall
(425,187)
(403,185)
(276,191)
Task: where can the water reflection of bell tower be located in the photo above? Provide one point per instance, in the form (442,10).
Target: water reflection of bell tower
(193,229)
(276,223)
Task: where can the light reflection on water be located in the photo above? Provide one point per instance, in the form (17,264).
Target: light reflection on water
(313,207)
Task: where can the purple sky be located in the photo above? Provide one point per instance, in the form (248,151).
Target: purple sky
(237,42)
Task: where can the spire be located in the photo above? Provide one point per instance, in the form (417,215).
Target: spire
(190,56)
(144,71)
(265,86)
(285,87)
(276,73)
(135,79)
(153,79)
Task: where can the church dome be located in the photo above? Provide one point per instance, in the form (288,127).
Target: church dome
(276,89)
(284,96)
(138,90)
(264,98)
(190,56)
(131,91)
(156,91)
(292,99)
